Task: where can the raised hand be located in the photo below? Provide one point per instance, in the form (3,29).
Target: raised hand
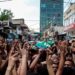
(26,45)
(23,50)
(13,57)
(24,53)
(63,47)
(61,61)
(49,62)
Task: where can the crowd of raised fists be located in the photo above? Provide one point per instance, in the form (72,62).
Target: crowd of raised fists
(19,58)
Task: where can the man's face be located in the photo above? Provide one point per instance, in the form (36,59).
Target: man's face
(55,59)
(68,64)
(68,58)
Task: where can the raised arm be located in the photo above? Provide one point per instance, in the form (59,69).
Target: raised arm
(73,54)
(14,72)
(23,64)
(11,63)
(34,62)
(61,62)
(49,63)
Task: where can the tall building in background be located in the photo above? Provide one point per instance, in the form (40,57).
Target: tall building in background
(51,13)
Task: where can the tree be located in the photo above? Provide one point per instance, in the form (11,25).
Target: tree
(6,15)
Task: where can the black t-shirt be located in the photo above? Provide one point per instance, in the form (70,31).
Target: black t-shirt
(30,72)
(41,70)
(68,71)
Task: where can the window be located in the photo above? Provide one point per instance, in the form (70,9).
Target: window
(69,11)
(43,10)
(57,1)
(43,5)
(58,15)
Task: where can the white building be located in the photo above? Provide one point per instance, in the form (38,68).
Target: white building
(69,20)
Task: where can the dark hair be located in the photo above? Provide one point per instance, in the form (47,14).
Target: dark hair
(56,42)
(73,41)
(70,61)
(68,54)
(54,49)
(43,56)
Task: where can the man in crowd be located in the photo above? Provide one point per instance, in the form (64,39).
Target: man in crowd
(19,58)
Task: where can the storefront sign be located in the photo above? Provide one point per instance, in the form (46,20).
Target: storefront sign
(70,27)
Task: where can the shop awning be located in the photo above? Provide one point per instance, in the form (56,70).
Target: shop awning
(70,28)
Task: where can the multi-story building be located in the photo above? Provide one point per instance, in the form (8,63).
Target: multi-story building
(69,20)
(16,28)
(51,13)
(16,25)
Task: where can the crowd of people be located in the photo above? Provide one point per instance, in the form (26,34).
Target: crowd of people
(19,58)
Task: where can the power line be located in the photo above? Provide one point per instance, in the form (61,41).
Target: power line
(34,24)
(4,0)
(32,20)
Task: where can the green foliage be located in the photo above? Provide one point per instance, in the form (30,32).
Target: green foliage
(6,15)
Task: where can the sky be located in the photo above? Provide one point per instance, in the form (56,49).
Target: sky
(27,9)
